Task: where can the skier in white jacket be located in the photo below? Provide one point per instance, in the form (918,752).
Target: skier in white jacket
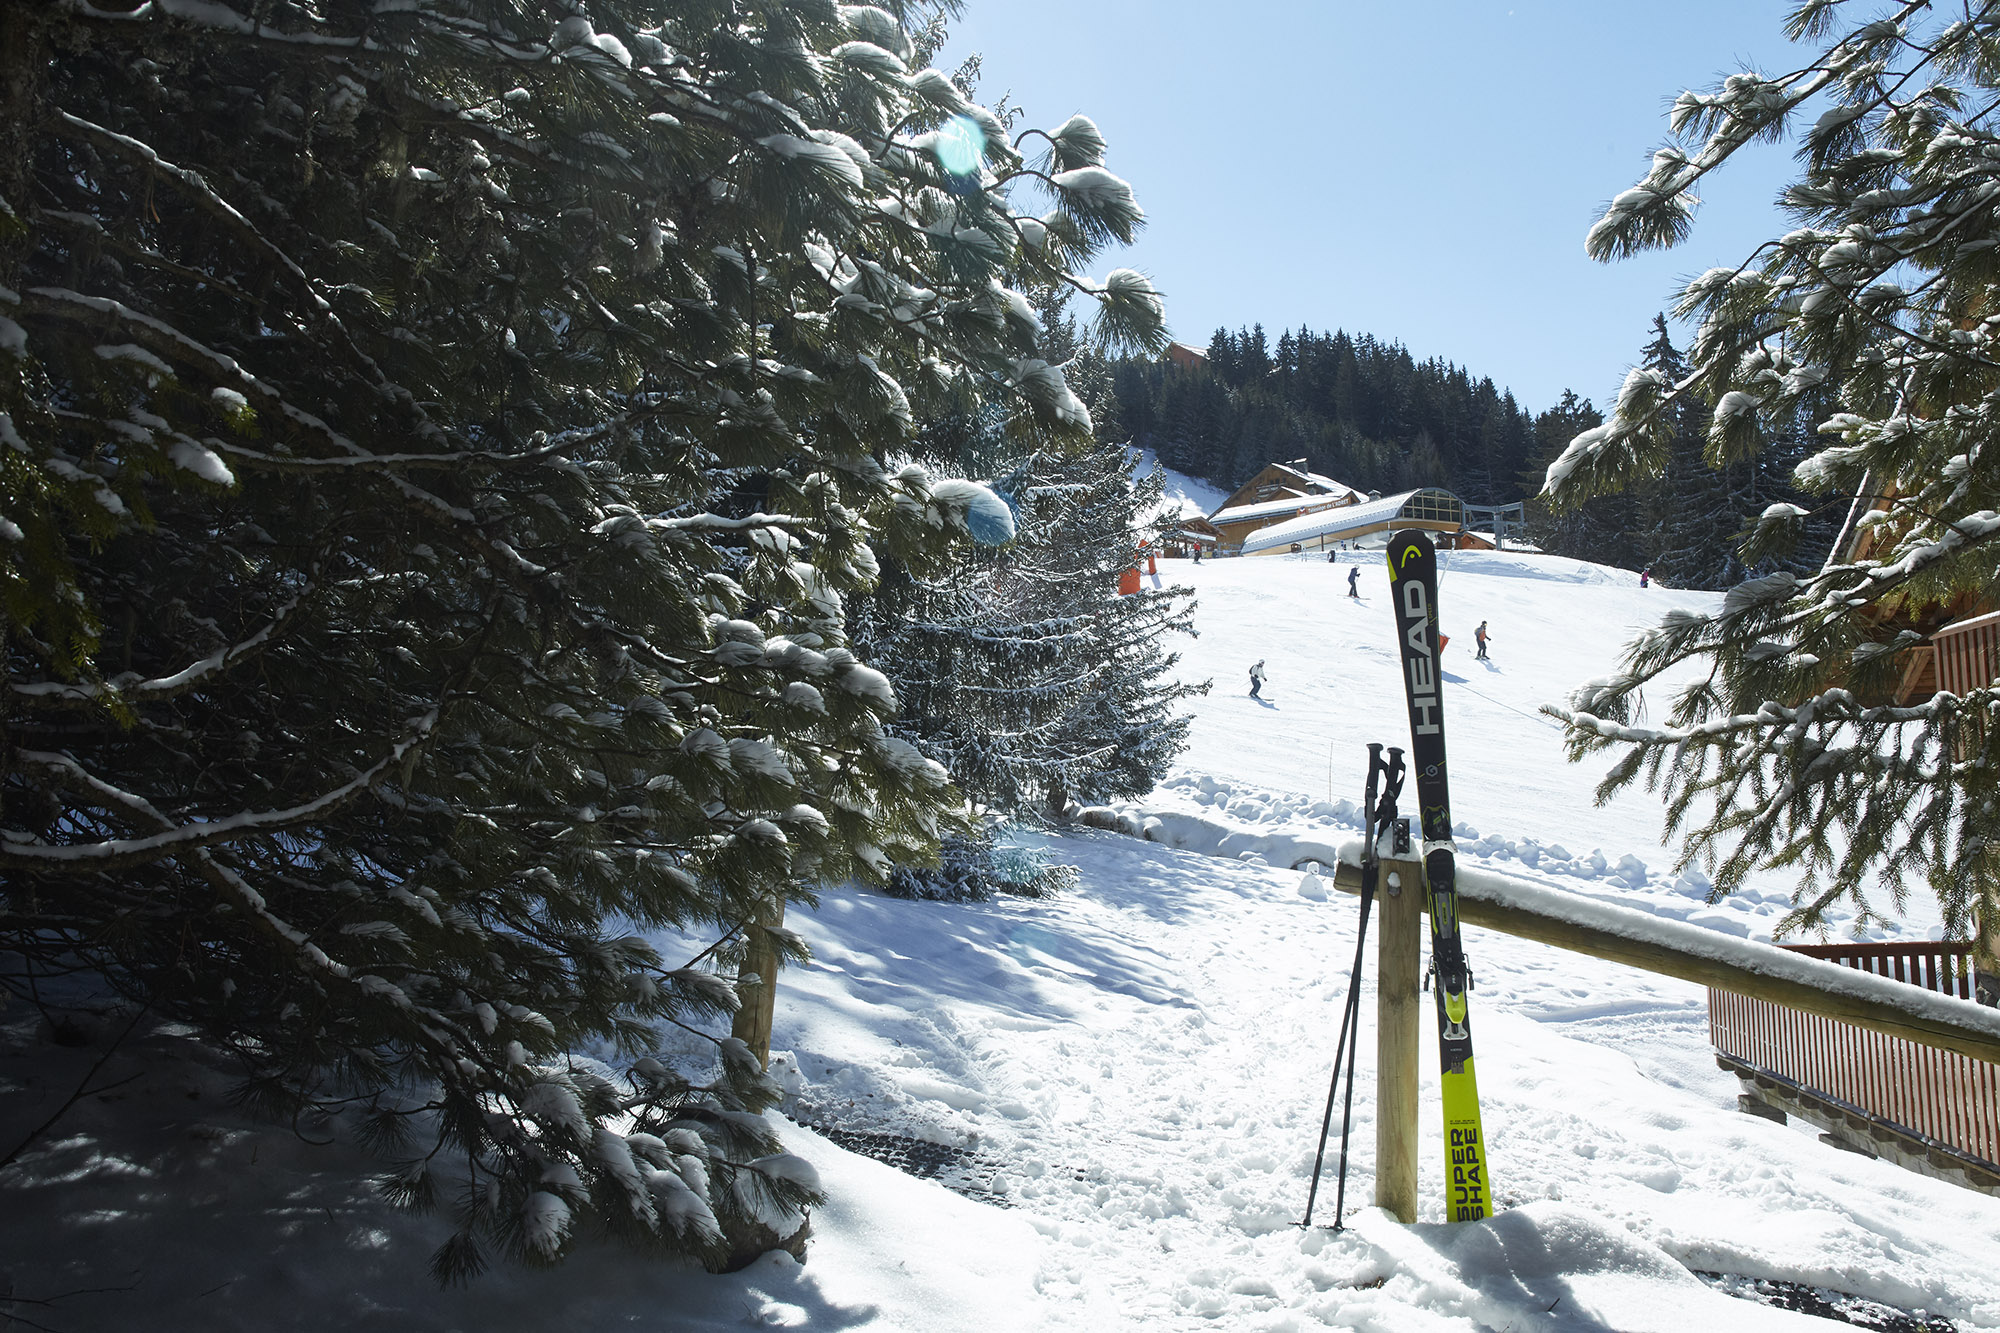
(1257,679)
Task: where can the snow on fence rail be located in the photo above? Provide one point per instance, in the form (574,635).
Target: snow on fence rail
(1790,978)
(1725,962)
(1946,1032)
(1622,935)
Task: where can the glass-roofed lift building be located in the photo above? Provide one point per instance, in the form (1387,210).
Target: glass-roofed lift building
(1367,524)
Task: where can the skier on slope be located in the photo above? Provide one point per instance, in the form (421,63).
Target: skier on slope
(1354,583)
(1479,635)
(1257,679)
(1645,577)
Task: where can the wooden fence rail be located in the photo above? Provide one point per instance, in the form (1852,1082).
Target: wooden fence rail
(1944,966)
(1950,1034)
(1968,654)
(1676,949)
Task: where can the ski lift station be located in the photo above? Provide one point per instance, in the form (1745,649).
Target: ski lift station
(1368,524)
(1287,508)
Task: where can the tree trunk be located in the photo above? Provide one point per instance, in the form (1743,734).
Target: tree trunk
(1986,950)
(24,59)
(757,985)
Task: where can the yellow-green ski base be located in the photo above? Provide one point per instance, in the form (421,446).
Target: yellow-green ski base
(1468,1194)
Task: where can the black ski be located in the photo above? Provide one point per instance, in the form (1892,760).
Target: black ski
(1413,597)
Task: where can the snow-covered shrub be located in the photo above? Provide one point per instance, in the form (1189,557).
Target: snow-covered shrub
(1023,670)
(975,866)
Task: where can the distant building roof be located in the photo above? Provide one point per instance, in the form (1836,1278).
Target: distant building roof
(1289,504)
(1183,355)
(1276,482)
(1429,506)
(1315,478)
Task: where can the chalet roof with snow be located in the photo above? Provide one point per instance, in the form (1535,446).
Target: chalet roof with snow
(1278,492)
(1272,510)
(1281,481)
(1429,508)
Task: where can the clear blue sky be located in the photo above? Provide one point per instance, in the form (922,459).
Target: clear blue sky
(1421,172)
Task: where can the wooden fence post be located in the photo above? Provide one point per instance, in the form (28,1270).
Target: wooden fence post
(757,986)
(1398,993)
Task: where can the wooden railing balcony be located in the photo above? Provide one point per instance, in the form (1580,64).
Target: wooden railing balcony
(1968,653)
(1940,1106)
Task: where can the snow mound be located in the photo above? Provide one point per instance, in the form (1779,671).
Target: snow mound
(1547,1266)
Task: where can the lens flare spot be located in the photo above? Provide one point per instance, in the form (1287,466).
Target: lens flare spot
(961,145)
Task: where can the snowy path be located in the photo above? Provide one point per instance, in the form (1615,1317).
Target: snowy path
(1145,1060)
(1149,1057)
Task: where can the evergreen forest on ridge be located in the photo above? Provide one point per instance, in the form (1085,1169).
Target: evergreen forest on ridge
(1369,414)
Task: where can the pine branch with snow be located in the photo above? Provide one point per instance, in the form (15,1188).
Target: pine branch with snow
(1873,315)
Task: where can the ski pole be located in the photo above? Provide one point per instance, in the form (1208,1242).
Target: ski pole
(1350,1032)
(1349,1008)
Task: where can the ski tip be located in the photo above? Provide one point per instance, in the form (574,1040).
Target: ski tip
(1408,546)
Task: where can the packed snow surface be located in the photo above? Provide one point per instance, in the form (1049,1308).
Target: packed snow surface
(1136,1069)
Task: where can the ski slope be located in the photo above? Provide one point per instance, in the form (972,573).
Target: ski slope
(1517,803)
(1180,494)
(1135,1070)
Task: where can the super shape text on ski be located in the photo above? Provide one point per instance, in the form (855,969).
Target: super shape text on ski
(1413,598)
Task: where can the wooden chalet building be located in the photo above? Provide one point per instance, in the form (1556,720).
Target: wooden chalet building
(1368,524)
(1959,651)
(1192,532)
(1961,638)
(1286,508)
(1282,491)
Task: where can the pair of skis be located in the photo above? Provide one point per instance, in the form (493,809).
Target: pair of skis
(1413,600)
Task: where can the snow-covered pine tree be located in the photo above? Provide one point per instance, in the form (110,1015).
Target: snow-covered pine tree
(1789,751)
(1060,688)
(1769,479)
(1688,524)
(1122,727)
(1598,529)
(1021,669)
(439,439)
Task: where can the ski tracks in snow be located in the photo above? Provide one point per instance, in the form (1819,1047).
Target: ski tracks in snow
(1147,1056)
